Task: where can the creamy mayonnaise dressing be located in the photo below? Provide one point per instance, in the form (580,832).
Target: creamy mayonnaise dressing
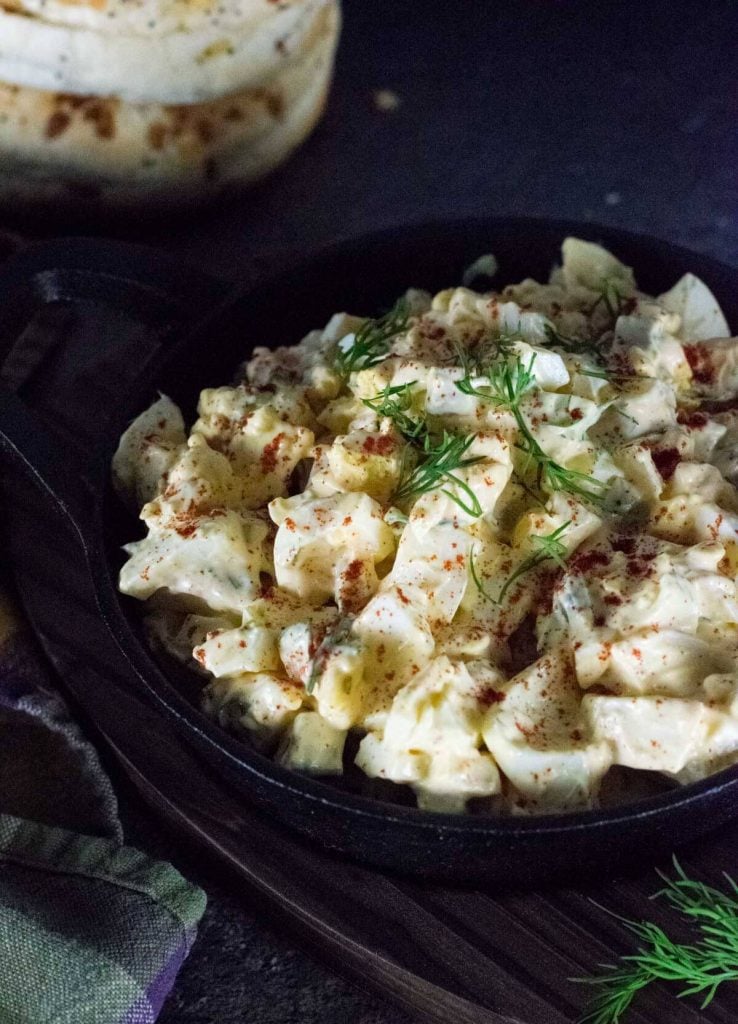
(494,534)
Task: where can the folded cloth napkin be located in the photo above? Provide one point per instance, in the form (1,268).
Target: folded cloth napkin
(91,931)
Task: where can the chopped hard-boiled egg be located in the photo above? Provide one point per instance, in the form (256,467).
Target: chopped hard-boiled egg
(491,538)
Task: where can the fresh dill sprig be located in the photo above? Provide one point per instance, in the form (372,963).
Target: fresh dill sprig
(335,636)
(507,383)
(575,346)
(476,359)
(555,476)
(658,959)
(579,347)
(372,341)
(438,459)
(597,374)
(626,415)
(548,546)
(610,296)
(704,903)
(438,464)
(612,375)
(477,581)
(699,967)
(394,402)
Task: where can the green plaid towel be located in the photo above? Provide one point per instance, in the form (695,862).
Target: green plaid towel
(91,931)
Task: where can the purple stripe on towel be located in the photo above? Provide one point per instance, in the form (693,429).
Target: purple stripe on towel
(146,1009)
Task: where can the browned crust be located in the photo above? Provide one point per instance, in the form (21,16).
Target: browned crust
(57,144)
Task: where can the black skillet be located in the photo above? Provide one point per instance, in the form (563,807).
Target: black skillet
(161,326)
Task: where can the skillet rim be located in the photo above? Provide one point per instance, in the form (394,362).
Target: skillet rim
(246,760)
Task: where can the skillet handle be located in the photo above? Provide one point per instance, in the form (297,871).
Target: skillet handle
(164,293)
(53,422)
(44,461)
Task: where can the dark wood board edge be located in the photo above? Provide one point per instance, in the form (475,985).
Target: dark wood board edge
(429,1003)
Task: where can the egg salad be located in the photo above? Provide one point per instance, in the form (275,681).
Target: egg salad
(488,537)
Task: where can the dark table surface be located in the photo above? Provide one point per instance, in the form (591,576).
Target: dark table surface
(621,113)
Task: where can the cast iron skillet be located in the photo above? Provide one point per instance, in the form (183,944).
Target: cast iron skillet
(201,330)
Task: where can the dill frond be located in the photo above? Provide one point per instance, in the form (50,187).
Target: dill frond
(438,464)
(337,635)
(507,382)
(575,346)
(372,341)
(394,403)
(699,968)
(505,385)
(547,546)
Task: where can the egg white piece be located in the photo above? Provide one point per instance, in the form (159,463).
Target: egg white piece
(489,538)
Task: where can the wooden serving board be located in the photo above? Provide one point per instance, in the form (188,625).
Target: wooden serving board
(450,956)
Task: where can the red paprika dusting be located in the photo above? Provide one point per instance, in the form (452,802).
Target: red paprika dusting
(576,414)
(381,445)
(700,363)
(714,528)
(353,570)
(432,331)
(640,554)
(624,544)
(548,581)
(586,560)
(639,568)
(317,636)
(605,651)
(487,696)
(269,455)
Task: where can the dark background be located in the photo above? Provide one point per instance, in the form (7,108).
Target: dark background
(622,113)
